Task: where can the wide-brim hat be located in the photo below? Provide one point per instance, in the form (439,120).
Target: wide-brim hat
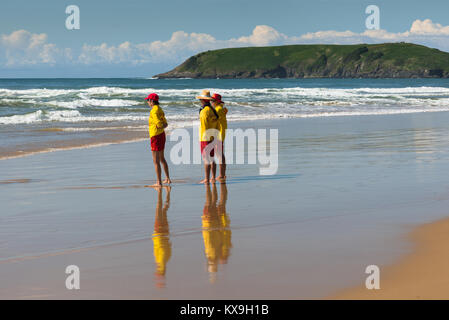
(205,95)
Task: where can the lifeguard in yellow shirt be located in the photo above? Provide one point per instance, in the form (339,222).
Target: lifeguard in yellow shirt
(222,111)
(156,126)
(208,131)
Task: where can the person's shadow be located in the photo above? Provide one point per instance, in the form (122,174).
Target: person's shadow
(216,229)
(161,237)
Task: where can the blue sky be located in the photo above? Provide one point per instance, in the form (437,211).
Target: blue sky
(132,38)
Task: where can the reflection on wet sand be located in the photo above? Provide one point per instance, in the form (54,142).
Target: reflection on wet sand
(15,181)
(216,229)
(161,238)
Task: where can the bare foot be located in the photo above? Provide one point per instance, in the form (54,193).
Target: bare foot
(213,180)
(167,181)
(204,181)
(156,185)
(221,179)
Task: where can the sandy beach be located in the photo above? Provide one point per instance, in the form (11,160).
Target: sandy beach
(296,234)
(423,274)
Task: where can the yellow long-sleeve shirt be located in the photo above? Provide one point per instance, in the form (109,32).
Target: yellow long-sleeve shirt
(222,121)
(208,120)
(156,121)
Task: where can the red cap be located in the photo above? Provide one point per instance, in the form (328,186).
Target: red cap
(152,96)
(217,98)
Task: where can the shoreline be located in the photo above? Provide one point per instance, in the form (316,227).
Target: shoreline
(108,137)
(118,136)
(421,274)
(74,147)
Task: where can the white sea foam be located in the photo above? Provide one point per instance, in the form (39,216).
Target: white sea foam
(94,103)
(87,129)
(99,104)
(228,92)
(69,116)
(25,118)
(181,121)
(35,93)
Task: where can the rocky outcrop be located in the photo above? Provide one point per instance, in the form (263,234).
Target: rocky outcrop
(391,60)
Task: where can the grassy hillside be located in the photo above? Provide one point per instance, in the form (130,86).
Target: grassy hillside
(392,60)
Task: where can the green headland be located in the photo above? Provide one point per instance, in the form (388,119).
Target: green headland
(386,60)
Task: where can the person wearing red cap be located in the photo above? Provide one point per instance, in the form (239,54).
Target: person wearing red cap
(156,125)
(208,126)
(222,111)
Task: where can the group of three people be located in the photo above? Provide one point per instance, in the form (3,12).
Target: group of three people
(212,120)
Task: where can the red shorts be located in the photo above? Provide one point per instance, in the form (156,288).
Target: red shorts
(203,146)
(158,142)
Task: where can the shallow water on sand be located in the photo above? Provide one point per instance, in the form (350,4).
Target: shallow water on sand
(346,191)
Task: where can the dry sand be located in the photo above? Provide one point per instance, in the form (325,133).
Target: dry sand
(423,274)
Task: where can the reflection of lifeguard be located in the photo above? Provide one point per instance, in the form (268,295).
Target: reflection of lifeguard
(225,224)
(216,229)
(161,239)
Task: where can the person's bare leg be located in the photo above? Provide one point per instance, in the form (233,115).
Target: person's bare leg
(207,168)
(157,167)
(222,163)
(222,176)
(165,166)
(223,171)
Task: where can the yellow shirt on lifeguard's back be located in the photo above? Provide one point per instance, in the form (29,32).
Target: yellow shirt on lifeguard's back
(156,121)
(208,120)
(222,121)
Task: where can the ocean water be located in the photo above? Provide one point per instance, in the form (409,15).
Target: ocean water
(36,114)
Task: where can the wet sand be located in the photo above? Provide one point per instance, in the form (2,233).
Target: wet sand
(423,274)
(50,139)
(344,197)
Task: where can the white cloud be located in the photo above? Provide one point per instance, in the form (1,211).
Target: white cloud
(178,47)
(427,27)
(263,36)
(106,54)
(24,48)
(179,43)
(423,32)
(172,50)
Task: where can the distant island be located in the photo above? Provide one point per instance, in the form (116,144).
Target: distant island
(386,60)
